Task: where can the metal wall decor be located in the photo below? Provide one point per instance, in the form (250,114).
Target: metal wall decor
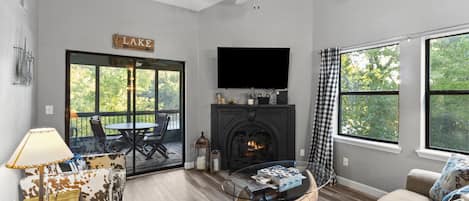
(23,65)
(256,5)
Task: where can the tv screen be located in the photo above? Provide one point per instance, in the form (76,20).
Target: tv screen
(263,68)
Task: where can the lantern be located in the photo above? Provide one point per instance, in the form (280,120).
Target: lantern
(215,161)
(202,147)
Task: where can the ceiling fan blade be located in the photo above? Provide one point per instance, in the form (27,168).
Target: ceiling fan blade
(238,2)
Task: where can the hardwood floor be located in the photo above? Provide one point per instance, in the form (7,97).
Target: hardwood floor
(157,161)
(342,193)
(180,185)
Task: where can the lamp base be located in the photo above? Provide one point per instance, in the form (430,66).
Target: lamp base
(41,183)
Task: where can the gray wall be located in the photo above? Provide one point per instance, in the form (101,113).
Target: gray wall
(16,101)
(348,22)
(88,25)
(279,23)
(180,35)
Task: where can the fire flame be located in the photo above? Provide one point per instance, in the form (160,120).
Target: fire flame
(254,145)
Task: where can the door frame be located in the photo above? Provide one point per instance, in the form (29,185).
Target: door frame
(182,100)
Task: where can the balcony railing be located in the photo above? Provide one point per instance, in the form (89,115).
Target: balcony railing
(80,126)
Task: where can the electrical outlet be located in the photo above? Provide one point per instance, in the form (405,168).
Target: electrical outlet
(49,109)
(345,162)
(302,152)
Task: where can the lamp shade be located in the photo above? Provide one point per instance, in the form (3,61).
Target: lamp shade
(41,146)
(73,114)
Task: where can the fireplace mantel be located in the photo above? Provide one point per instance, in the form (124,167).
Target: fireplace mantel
(278,121)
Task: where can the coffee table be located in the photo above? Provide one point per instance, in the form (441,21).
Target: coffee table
(241,187)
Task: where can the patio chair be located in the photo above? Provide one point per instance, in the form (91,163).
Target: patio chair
(161,119)
(156,141)
(105,142)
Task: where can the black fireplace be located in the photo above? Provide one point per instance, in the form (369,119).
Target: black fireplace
(248,135)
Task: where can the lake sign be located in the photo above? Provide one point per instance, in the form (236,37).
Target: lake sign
(133,43)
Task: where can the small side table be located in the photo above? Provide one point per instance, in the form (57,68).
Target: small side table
(69,195)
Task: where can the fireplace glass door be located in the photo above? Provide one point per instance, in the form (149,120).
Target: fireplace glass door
(250,146)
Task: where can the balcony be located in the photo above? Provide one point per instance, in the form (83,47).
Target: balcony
(82,139)
(80,125)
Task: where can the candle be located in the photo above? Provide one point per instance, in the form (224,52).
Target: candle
(201,163)
(216,165)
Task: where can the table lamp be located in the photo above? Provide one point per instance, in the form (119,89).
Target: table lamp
(40,147)
(73,114)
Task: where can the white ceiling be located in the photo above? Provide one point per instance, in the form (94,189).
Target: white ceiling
(195,5)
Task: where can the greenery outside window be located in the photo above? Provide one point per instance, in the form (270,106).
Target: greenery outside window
(447,93)
(369,94)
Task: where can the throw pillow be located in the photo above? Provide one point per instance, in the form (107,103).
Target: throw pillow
(455,175)
(456,195)
(77,163)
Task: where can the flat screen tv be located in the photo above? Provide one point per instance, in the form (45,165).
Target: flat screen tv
(262,68)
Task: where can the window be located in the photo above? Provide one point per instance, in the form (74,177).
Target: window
(447,93)
(369,94)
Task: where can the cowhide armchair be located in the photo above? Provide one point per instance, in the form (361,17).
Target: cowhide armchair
(104,180)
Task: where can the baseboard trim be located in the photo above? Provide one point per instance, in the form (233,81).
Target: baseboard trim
(189,165)
(375,192)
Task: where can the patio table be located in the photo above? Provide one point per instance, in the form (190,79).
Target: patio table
(126,129)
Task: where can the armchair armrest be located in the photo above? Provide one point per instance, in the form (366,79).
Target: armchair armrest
(421,181)
(115,162)
(106,160)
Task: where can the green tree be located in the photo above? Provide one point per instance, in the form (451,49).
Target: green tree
(113,89)
(82,88)
(145,91)
(168,90)
(113,93)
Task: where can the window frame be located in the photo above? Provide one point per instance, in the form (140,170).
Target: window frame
(429,93)
(364,93)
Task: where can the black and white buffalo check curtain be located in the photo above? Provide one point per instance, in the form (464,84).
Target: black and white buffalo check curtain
(320,157)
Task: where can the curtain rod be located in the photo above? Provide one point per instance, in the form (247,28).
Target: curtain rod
(410,36)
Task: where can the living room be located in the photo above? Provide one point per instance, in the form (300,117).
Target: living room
(63,37)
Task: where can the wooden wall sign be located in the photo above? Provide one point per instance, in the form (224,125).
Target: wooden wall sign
(133,43)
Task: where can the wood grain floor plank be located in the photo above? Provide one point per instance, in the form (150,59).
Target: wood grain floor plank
(181,185)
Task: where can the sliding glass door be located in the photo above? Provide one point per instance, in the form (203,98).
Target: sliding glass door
(129,105)
(158,101)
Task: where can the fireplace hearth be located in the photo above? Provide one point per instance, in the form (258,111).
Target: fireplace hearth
(248,135)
